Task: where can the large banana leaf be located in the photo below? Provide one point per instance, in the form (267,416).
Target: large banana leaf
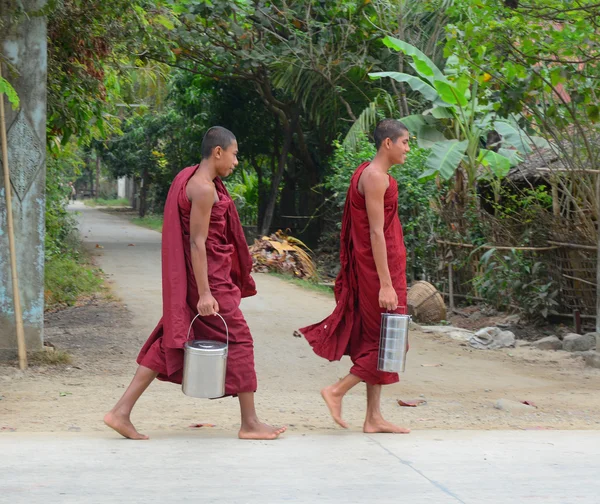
(414,82)
(511,154)
(427,136)
(514,137)
(498,164)
(444,158)
(440,112)
(421,63)
(450,93)
(415,122)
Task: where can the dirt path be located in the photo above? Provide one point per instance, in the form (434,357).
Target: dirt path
(104,338)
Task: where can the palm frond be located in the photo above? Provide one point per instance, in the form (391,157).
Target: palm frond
(384,104)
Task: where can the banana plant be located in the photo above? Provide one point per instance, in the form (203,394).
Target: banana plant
(455,125)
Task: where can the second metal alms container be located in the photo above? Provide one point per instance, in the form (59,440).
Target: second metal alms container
(393,342)
(204,366)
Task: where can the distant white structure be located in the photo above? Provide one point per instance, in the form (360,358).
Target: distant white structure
(126,189)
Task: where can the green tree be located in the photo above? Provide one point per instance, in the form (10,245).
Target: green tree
(542,65)
(457,125)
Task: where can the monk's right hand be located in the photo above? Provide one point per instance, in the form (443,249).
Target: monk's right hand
(388,299)
(207,305)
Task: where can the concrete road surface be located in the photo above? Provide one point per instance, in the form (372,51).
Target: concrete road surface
(443,467)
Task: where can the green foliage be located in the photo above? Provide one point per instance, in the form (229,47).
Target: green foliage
(540,66)
(9,91)
(243,188)
(68,276)
(457,125)
(150,221)
(511,280)
(523,205)
(342,165)
(419,221)
(106,202)
(92,47)
(67,279)
(60,225)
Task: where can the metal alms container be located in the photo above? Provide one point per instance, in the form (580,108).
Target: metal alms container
(393,342)
(204,366)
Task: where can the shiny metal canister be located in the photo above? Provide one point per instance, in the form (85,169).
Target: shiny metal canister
(393,342)
(205,366)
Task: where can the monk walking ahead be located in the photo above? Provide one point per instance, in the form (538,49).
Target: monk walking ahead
(372,278)
(206,269)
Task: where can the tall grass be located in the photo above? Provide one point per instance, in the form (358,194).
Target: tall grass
(106,202)
(151,221)
(68,279)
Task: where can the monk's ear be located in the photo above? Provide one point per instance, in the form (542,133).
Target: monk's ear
(217,151)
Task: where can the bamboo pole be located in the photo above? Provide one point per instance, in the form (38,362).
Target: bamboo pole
(572,245)
(488,247)
(22,349)
(450,286)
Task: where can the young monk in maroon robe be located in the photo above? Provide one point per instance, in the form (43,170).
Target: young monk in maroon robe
(206,269)
(372,278)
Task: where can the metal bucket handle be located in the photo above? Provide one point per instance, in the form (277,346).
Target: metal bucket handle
(218,315)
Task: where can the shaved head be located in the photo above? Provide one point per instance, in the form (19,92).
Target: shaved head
(216,136)
(388,128)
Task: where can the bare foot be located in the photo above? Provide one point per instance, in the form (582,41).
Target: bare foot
(382,426)
(334,403)
(122,425)
(261,431)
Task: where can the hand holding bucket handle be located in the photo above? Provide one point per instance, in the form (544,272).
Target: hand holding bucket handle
(400,310)
(218,315)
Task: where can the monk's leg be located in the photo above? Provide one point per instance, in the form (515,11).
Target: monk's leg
(334,394)
(252,427)
(118,418)
(374,422)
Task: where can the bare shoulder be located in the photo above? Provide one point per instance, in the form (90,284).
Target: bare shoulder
(199,190)
(373,181)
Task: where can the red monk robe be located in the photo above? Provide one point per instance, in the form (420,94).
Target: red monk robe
(353,327)
(229,267)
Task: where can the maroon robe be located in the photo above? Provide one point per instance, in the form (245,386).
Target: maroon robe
(229,267)
(353,327)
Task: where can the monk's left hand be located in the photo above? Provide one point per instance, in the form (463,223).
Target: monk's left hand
(207,305)
(388,298)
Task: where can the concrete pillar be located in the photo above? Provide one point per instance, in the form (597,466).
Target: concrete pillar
(23,46)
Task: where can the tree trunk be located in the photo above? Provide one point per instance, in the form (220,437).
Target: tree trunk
(277,176)
(143,192)
(97,175)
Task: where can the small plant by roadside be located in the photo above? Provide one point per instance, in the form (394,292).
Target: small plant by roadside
(509,280)
(51,358)
(68,279)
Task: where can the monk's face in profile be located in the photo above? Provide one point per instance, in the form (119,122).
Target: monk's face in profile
(397,150)
(226,159)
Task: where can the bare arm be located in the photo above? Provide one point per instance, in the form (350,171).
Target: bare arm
(375,186)
(203,197)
